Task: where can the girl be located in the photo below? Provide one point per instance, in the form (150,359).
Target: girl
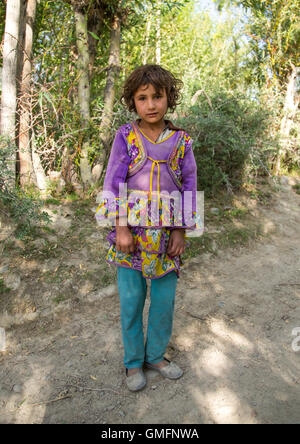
(147,156)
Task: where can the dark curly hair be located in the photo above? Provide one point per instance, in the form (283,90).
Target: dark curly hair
(158,77)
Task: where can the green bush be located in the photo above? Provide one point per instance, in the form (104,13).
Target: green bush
(232,141)
(24,210)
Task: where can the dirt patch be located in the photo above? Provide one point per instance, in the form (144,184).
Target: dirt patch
(236,311)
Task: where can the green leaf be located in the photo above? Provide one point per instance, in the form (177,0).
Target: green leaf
(94,35)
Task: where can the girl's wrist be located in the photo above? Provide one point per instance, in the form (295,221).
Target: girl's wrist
(123,225)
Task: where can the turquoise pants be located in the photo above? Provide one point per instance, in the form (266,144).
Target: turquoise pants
(132,291)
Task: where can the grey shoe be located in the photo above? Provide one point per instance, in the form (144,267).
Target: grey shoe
(137,381)
(171,371)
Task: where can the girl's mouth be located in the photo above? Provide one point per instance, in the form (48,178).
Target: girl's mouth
(152,115)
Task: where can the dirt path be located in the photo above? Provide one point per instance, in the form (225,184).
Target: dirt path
(232,334)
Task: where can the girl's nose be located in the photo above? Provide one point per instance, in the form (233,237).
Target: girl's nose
(151,104)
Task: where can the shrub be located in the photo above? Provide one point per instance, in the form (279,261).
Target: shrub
(232,141)
(24,210)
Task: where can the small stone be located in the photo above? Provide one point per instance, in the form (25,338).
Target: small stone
(121,413)
(215,211)
(96,235)
(154,387)
(284,180)
(110,290)
(12,281)
(17,388)
(39,243)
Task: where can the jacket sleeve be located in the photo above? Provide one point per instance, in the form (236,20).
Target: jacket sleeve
(189,188)
(192,199)
(111,199)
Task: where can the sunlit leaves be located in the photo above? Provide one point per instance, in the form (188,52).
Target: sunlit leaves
(273,29)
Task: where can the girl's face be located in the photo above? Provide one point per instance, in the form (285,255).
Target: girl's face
(150,104)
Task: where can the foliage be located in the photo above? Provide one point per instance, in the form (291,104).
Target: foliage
(3,288)
(231,62)
(231,141)
(58,129)
(273,29)
(24,210)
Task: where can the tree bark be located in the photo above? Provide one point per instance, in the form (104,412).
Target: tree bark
(25,157)
(9,87)
(83,92)
(41,178)
(94,26)
(291,104)
(148,27)
(21,43)
(109,92)
(158,52)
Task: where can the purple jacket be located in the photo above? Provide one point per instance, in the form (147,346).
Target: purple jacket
(163,168)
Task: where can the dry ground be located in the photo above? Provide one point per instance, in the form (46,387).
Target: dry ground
(234,318)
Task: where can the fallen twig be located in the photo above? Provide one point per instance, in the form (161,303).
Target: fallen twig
(289,284)
(202,318)
(33,404)
(51,400)
(94,390)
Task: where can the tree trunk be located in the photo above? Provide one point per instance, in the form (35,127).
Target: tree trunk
(9,87)
(83,92)
(41,178)
(21,43)
(292,100)
(148,27)
(94,26)
(109,93)
(158,53)
(26,166)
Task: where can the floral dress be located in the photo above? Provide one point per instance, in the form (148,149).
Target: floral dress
(150,255)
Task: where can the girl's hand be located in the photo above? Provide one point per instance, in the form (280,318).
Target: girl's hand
(124,240)
(176,243)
